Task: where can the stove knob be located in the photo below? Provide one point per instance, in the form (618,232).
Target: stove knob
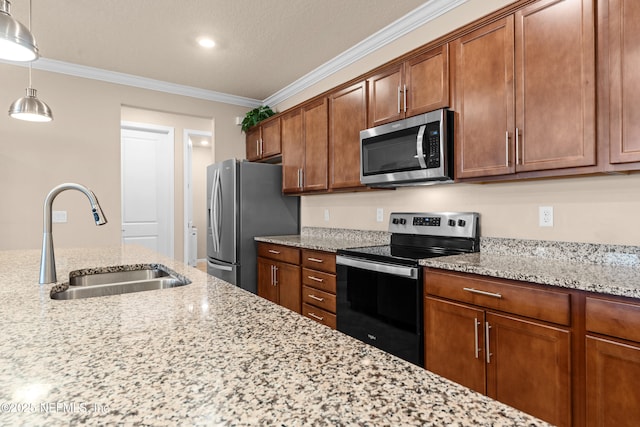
(395,220)
(403,221)
(462,222)
(452,223)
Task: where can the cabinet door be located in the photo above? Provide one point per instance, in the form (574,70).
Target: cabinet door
(271,138)
(289,287)
(266,283)
(385,96)
(484,101)
(253,143)
(529,367)
(555,85)
(292,151)
(316,146)
(347,117)
(613,375)
(427,82)
(454,342)
(624,80)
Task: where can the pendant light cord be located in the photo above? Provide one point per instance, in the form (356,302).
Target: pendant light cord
(29,31)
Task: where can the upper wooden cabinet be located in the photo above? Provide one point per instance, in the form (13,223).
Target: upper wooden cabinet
(263,140)
(624,80)
(347,117)
(525,91)
(484,101)
(415,86)
(305,148)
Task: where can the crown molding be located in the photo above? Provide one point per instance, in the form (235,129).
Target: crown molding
(83,71)
(412,20)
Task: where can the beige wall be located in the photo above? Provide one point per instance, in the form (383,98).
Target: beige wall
(587,209)
(82,145)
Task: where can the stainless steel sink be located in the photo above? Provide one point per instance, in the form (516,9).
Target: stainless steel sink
(117,280)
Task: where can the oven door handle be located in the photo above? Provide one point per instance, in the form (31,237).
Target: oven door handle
(395,270)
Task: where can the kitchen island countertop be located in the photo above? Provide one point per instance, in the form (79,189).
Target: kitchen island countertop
(207,353)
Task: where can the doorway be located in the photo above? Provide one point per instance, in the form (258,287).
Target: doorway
(198,154)
(147,186)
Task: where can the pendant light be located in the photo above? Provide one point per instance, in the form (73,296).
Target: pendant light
(29,107)
(16,41)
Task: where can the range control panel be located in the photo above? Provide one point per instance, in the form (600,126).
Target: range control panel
(448,224)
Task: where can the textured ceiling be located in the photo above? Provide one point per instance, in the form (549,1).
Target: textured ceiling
(262,45)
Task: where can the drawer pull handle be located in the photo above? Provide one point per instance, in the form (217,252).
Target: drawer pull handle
(271,251)
(315,259)
(315,279)
(315,317)
(485,293)
(315,297)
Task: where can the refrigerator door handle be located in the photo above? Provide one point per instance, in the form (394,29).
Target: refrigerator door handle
(219,267)
(212,211)
(218,210)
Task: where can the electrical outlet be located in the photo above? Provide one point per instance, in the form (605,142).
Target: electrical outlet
(326,214)
(380,214)
(545,216)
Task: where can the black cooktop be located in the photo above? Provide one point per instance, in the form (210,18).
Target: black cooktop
(409,249)
(396,254)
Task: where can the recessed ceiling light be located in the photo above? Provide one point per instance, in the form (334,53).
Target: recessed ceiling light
(206,42)
(204,142)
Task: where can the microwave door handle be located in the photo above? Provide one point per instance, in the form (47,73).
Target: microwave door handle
(420,147)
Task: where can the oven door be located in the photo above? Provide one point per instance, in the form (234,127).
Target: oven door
(381,304)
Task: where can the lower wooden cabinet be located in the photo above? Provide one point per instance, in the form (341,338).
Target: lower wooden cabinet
(613,383)
(319,286)
(301,280)
(612,362)
(279,281)
(523,362)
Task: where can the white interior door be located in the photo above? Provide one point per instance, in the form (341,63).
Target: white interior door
(147,186)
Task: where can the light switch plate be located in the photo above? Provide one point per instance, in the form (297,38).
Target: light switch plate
(380,214)
(326,214)
(59,216)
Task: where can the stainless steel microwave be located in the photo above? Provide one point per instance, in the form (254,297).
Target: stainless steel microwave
(413,151)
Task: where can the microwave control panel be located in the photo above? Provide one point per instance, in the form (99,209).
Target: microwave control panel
(433,145)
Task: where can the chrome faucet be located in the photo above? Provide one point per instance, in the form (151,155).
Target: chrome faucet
(47,259)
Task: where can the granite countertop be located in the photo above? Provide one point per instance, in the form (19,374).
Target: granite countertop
(599,268)
(329,239)
(605,269)
(207,353)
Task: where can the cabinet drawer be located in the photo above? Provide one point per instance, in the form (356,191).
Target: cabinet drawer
(319,260)
(614,318)
(320,299)
(319,280)
(279,253)
(319,315)
(541,304)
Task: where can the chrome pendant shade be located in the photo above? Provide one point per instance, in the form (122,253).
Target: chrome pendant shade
(16,41)
(30,108)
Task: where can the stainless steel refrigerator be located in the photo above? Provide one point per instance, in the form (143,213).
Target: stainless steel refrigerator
(245,200)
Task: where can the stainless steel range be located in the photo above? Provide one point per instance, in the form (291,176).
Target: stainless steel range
(379,289)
